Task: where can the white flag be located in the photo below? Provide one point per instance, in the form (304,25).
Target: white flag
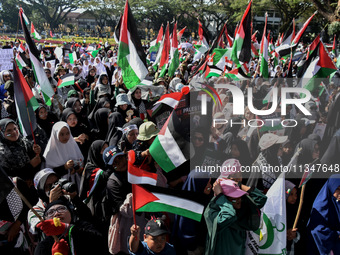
(272,234)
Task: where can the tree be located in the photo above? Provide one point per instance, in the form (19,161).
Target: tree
(54,12)
(329,9)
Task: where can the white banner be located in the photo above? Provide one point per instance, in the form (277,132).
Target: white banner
(6,59)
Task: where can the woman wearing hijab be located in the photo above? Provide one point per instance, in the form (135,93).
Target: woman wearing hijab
(130,133)
(101,123)
(45,119)
(123,106)
(239,150)
(90,77)
(94,164)
(102,86)
(19,157)
(114,134)
(324,223)
(63,155)
(79,132)
(99,66)
(263,178)
(103,102)
(75,104)
(135,97)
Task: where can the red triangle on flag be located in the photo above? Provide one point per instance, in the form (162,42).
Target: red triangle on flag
(144,197)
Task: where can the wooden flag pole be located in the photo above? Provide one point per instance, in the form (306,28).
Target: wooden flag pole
(300,206)
(31,208)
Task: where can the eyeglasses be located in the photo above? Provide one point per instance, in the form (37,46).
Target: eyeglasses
(50,213)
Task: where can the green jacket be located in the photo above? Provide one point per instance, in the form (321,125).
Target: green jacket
(227,227)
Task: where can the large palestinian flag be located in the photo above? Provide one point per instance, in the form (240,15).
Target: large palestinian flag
(170,149)
(317,67)
(147,198)
(241,51)
(38,69)
(25,103)
(131,56)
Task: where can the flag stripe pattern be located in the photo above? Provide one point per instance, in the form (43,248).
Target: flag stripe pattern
(157,199)
(131,56)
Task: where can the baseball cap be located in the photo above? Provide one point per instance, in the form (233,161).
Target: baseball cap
(269,139)
(231,189)
(155,227)
(110,153)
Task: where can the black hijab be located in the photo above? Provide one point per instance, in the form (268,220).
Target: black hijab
(101,122)
(307,145)
(48,123)
(95,159)
(100,104)
(270,154)
(79,128)
(136,101)
(113,135)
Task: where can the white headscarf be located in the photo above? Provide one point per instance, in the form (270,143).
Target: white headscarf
(99,66)
(57,153)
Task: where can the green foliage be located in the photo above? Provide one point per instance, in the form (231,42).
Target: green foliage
(334,28)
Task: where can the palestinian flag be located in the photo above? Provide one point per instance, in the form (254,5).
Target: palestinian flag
(312,46)
(29,42)
(165,50)
(212,71)
(221,57)
(199,51)
(264,52)
(20,62)
(302,30)
(38,69)
(34,33)
(203,35)
(171,100)
(334,46)
(230,40)
(95,177)
(27,22)
(73,57)
(254,51)
(170,149)
(237,74)
(131,56)
(218,42)
(241,51)
(25,111)
(285,48)
(174,54)
(145,82)
(318,66)
(154,45)
(136,175)
(21,48)
(147,198)
(180,34)
(93,53)
(66,80)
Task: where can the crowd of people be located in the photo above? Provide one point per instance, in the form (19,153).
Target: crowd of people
(74,171)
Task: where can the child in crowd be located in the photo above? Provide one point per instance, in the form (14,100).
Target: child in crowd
(154,239)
